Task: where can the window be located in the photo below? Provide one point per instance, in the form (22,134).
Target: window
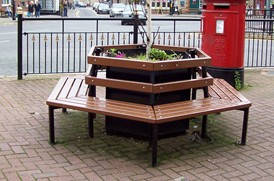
(6,1)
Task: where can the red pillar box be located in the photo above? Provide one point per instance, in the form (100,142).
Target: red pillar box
(223,33)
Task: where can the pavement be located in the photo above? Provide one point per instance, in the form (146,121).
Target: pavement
(25,152)
(74,13)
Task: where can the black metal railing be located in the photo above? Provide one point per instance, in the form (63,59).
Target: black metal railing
(260,13)
(259,49)
(66,51)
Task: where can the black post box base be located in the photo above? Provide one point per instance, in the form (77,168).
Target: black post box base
(231,75)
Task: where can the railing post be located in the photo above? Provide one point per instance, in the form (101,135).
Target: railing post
(271,22)
(174,31)
(63,42)
(135,29)
(97,31)
(13,10)
(264,18)
(19,47)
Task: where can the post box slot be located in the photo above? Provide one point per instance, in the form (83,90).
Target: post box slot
(221,5)
(204,6)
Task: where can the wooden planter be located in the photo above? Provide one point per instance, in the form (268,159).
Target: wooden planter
(147,72)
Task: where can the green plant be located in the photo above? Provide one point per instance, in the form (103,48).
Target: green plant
(157,54)
(154,54)
(112,50)
(237,80)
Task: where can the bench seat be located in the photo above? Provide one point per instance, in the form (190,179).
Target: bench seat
(222,97)
(107,107)
(199,107)
(72,93)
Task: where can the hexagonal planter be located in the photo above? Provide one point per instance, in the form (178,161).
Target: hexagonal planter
(149,72)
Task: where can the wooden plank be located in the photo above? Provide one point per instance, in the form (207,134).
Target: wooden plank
(224,90)
(211,91)
(74,90)
(123,63)
(185,105)
(147,87)
(66,88)
(182,85)
(113,102)
(107,108)
(195,108)
(227,91)
(234,91)
(56,91)
(221,94)
(120,84)
(83,91)
(179,64)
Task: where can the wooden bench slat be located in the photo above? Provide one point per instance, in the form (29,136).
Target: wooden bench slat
(56,91)
(111,107)
(182,85)
(66,89)
(234,91)
(181,103)
(219,93)
(195,108)
(148,87)
(190,106)
(114,102)
(120,84)
(105,61)
(223,92)
(108,107)
(187,63)
(83,89)
(75,88)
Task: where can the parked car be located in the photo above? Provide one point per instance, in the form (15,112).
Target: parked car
(95,5)
(129,13)
(80,4)
(116,10)
(103,8)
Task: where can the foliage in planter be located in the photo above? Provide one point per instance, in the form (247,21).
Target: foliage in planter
(157,54)
(153,55)
(113,52)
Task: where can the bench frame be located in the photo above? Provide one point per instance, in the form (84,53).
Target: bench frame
(155,120)
(80,94)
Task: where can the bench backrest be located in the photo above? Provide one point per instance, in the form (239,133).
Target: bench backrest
(199,77)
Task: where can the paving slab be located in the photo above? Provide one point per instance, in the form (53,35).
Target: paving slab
(25,152)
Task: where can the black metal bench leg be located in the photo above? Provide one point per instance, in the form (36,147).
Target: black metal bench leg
(154,144)
(245,124)
(204,126)
(51,125)
(150,137)
(90,124)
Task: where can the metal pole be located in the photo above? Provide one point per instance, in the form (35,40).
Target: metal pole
(271,22)
(19,47)
(13,10)
(135,29)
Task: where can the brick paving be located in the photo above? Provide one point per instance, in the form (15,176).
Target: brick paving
(25,153)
